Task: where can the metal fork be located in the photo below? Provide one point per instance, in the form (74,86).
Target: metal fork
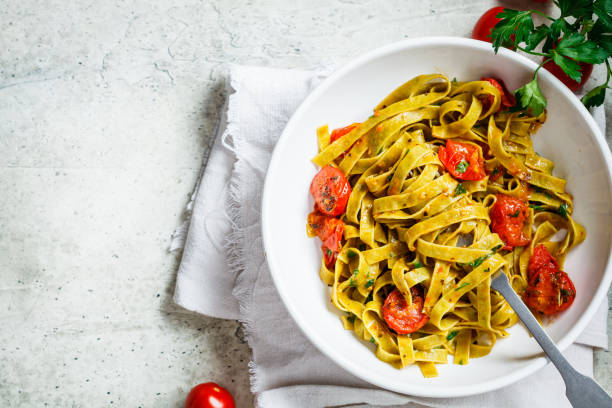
(581,391)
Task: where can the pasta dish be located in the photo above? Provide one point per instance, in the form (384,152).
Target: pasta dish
(419,205)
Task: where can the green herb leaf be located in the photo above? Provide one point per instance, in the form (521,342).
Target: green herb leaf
(328,252)
(537,207)
(372,340)
(462,167)
(575,47)
(369,283)
(537,36)
(513,22)
(351,254)
(418,265)
(451,335)
(389,177)
(497,248)
(463,285)
(562,210)
(595,96)
(570,67)
(351,319)
(460,189)
(352,283)
(576,8)
(530,97)
(356,272)
(516,214)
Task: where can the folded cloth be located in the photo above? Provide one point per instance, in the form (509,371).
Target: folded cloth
(234,281)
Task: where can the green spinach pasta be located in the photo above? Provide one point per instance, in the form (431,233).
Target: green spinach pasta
(422,203)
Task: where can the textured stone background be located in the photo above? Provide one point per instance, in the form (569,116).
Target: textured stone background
(105,114)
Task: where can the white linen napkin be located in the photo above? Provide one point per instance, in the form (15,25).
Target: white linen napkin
(233,281)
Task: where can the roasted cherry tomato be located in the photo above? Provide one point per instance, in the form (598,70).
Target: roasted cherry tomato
(486,22)
(328,229)
(209,395)
(462,160)
(549,290)
(400,316)
(508,216)
(585,69)
(331,191)
(507,99)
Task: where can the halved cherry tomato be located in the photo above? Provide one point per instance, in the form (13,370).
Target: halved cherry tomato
(400,316)
(330,231)
(209,395)
(507,99)
(508,216)
(331,191)
(462,160)
(549,290)
(585,69)
(486,22)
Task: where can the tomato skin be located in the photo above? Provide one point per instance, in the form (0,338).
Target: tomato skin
(339,132)
(585,69)
(331,191)
(486,22)
(508,216)
(209,395)
(549,290)
(507,99)
(400,316)
(456,152)
(330,231)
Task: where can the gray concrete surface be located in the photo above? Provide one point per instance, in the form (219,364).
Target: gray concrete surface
(105,114)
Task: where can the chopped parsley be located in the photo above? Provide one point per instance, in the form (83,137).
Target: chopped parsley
(389,177)
(460,189)
(462,166)
(516,214)
(537,207)
(460,362)
(463,285)
(452,335)
(476,262)
(328,252)
(454,81)
(351,319)
(355,272)
(351,253)
(495,171)
(496,248)
(562,210)
(390,254)
(372,340)
(369,283)
(418,265)
(379,150)
(352,283)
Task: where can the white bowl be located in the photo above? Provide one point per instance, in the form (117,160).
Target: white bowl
(570,137)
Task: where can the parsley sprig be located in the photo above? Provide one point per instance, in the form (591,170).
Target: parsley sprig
(582,33)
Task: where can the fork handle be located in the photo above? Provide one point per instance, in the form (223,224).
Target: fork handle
(582,391)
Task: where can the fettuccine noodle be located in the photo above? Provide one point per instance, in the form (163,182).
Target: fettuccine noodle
(409,222)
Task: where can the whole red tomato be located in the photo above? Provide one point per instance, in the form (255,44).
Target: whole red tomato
(209,395)
(585,69)
(482,29)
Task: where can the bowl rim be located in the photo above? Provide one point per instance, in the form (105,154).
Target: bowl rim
(317,340)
